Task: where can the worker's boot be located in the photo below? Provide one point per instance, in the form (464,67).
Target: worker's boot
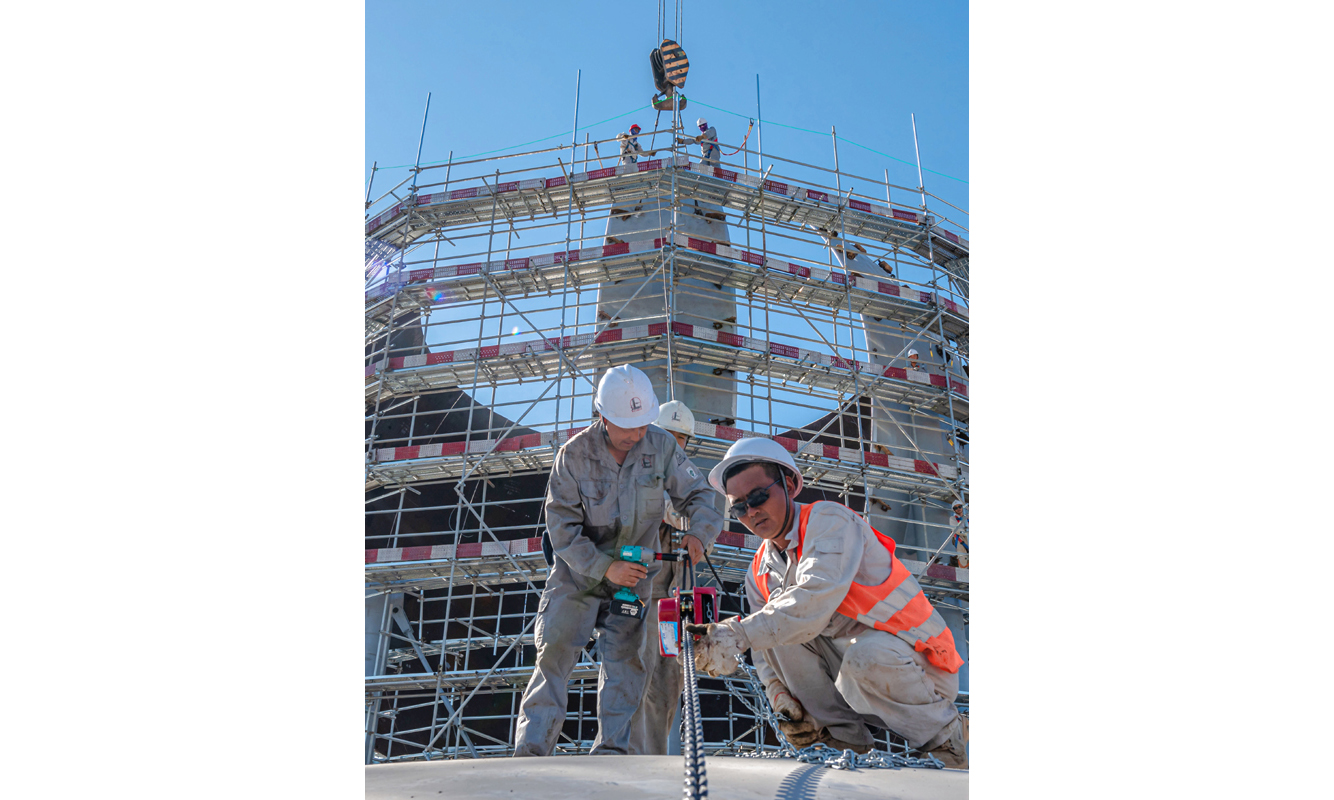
(951,746)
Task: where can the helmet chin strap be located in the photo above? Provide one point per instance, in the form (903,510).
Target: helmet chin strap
(787,506)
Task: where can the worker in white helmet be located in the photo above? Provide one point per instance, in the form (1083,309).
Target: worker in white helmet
(912,360)
(662,694)
(959,534)
(606,492)
(708,143)
(630,149)
(843,636)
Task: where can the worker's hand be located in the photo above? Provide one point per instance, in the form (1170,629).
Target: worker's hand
(718,646)
(801,733)
(693,546)
(784,703)
(626,573)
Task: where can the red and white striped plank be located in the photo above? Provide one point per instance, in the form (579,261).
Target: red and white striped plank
(689,242)
(798,447)
(701,332)
(744,541)
(789,190)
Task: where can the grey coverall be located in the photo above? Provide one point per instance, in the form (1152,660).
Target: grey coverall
(709,149)
(959,533)
(594,507)
(846,674)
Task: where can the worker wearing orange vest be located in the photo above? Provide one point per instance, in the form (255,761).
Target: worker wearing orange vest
(843,636)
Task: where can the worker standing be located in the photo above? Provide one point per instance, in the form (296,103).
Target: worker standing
(959,534)
(843,636)
(709,151)
(630,149)
(662,694)
(606,491)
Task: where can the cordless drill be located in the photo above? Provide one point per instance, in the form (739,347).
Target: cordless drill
(625,602)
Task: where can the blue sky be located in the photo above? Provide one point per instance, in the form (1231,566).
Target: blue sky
(503,73)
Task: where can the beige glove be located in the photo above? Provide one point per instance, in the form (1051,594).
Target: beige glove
(799,729)
(718,645)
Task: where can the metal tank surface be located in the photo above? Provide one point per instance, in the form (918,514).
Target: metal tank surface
(652,777)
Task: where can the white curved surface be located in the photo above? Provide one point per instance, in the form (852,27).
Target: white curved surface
(648,777)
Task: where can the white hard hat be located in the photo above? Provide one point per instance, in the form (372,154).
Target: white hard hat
(753,450)
(703,123)
(912,352)
(626,398)
(957,502)
(674,416)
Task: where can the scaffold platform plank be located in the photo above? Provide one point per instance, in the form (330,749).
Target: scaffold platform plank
(691,257)
(419,216)
(539,360)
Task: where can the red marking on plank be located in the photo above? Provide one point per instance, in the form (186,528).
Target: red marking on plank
(775,186)
(838,278)
(530,545)
(553,182)
(731,338)
(841,363)
(784,350)
(371,555)
(896,372)
(470,550)
(951,237)
(418,553)
(752,258)
(601,173)
(683,328)
(420,275)
(610,335)
(829,451)
(942,571)
(725,174)
(811,194)
(440,358)
(801,271)
(886,288)
(959,387)
(731,539)
(877,459)
(469,269)
(407,452)
(423,199)
(908,215)
(645,166)
(615,249)
(724,432)
(657,329)
(509,445)
(396,362)
(453,448)
(926,467)
(459,193)
(701,245)
(859,205)
(490,351)
(512,186)
(938,380)
(516,263)
(789,445)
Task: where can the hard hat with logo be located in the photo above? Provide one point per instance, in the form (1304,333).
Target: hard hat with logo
(626,398)
(753,450)
(674,416)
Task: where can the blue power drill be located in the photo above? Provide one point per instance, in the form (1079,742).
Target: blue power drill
(625,602)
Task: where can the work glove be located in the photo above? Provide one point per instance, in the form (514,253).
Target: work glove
(799,729)
(719,645)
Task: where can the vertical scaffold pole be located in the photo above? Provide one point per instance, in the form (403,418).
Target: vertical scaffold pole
(921,187)
(565,261)
(416,165)
(374,166)
(759,122)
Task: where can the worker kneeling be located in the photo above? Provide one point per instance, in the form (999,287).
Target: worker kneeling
(844,636)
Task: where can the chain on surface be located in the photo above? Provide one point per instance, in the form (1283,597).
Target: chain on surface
(847,759)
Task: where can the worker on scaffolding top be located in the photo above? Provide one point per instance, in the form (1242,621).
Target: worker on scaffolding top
(708,143)
(843,636)
(630,149)
(912,360)
(959,534)
(608,489)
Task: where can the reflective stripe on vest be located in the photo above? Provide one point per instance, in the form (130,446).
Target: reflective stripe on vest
(897,606)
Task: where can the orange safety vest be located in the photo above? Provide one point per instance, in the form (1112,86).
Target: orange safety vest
(897,606)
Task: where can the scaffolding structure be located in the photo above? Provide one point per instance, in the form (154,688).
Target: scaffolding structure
(500,289)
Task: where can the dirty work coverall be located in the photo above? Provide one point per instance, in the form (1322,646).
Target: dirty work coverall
(662,693)
(594,507)
(630,150)
(959,534)
(709,149)
(846,674)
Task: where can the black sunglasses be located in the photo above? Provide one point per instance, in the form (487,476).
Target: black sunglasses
(755,499)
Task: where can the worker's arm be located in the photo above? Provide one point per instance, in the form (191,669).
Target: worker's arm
(830,557)
(767,675)
(692,497)
(565,523)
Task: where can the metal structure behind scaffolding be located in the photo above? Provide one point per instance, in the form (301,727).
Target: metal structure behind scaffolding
(498,292)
